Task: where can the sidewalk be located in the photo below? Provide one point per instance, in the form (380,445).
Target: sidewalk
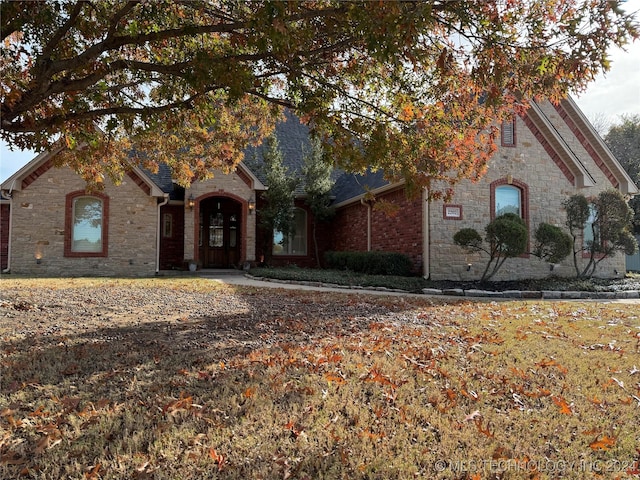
(237,277)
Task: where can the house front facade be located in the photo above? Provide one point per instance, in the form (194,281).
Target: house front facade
(52,227)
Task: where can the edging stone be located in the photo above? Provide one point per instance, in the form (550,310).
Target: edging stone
(472,292)
(459,292)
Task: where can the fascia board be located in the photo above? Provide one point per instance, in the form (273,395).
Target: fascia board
(155,190)
(376,191)
(257,184)
(14,182)
(583,177)
(626,182)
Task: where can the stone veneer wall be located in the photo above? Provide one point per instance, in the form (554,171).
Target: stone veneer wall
(39,222)
(548,187)
(222,185)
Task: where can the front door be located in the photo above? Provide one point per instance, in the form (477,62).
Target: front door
(219,239)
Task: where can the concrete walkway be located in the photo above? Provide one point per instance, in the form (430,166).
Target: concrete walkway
(237,277)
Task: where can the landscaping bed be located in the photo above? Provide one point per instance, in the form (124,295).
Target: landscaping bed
(417,284)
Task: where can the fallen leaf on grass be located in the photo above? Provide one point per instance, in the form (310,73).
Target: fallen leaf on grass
(12,458)
(564,406)
(93,471)
(71,369)
(332,377)
(249,392)
(484,430)
(604,443)
(217,457)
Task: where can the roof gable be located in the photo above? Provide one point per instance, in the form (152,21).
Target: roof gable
(595,146)
(44,161)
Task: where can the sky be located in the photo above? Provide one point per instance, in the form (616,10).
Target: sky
(611,95)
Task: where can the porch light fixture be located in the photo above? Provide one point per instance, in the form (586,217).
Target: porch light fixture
(469,267)
(191,202)
(252,205)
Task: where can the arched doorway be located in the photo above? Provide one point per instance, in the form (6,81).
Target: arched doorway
(219,232)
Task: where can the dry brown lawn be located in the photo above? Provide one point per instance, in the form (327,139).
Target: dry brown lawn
(191,379)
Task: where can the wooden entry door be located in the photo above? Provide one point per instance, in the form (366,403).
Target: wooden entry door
(219,240)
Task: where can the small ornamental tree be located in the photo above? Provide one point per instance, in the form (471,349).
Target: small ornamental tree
(506,237)
(277,211)
(552,243)
(318,183)
(599,228)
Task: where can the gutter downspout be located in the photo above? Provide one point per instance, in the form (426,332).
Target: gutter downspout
(426,235)
(158,232)
(368,205)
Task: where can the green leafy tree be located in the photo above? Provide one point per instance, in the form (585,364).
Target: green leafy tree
(624,141)
(600,228)
(277,208)
(318,182)
(506,237)
(192,83)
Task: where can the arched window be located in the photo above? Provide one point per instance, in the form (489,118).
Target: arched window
(85,225)
(508,199)
(295,243)
(509,195)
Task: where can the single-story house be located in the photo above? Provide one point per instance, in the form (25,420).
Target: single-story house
(52,227)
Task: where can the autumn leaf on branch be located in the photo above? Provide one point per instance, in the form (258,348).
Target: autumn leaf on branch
(418,85)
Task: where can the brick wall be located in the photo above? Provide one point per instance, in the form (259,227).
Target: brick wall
(397,231)
(4,235)
(350,229)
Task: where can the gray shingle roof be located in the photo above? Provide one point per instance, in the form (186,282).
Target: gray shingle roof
(351,185)
(163,180)
(294,141)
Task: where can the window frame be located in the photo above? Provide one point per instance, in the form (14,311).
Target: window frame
(305,240)
(524,203)
(167,225)
(513,188)
(69,224)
